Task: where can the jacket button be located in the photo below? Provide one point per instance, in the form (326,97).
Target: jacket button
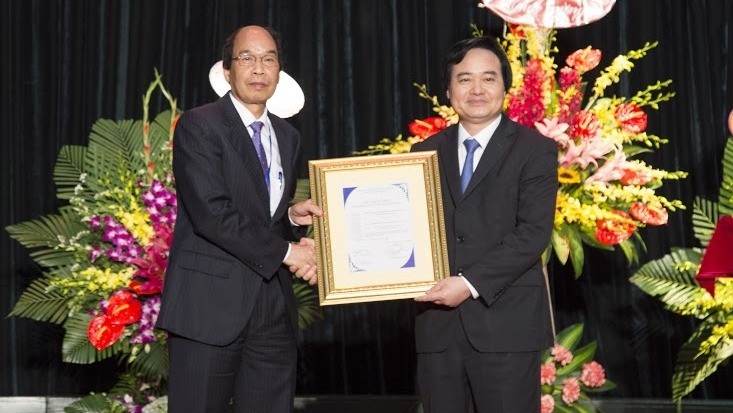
(459,239)
(459,272)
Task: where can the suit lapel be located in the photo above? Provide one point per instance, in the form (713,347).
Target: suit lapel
(449,159)
(241,141)
(498,146)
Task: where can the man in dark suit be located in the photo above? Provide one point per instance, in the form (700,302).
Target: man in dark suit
(228,302)
(479,332)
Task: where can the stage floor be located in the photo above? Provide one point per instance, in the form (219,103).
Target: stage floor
(392,404)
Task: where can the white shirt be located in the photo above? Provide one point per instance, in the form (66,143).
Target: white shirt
(272,151)
(483,138)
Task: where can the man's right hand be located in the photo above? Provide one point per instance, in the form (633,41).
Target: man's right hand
(302,260)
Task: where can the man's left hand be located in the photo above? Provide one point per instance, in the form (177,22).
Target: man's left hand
(450,292)
(302,212)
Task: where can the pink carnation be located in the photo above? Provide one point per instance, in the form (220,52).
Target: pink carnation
(561,354)
(547,404)
(547,373)
(570,390)
(593,374)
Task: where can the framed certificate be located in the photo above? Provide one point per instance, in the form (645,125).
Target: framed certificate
(382,233)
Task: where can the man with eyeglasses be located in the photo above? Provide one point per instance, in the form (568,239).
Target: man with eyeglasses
(228,302)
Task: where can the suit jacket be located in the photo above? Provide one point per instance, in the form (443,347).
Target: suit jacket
(225,244)
(496,233)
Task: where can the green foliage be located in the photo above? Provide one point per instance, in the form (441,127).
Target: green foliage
(672,280)
(95,403)
(48,235)
(38,304)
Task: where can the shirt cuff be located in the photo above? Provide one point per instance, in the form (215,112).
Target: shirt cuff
(287,254)
(474,293)
(293,224)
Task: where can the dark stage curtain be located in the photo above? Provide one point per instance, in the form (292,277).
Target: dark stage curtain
(66,63)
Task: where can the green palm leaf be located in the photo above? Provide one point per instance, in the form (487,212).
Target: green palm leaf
(46,233)
(38,304)
(705,215)
(692,367)
(69,167)
(95,403)
(77,348)
(114,147)
(671,278)
(306,300)
(152,364)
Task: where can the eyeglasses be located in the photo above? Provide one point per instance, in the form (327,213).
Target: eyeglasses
(268,60)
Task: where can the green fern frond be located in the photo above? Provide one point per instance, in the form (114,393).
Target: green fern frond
(692,368)
(705,215)
(37,304)
(77,348)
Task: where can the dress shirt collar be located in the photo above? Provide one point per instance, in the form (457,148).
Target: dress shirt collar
(482,137)
(247,116)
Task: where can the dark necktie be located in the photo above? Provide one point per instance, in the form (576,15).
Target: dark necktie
(257,140)
(471,146)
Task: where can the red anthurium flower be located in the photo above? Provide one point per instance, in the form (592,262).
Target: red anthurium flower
(123,308)
(631,118)
(632,177)
(648,214)
(584,60)
(611,232)
(730,122)
(102,332)
(585,125)
(427,127)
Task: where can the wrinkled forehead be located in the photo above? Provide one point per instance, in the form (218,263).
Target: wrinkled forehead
(254,40)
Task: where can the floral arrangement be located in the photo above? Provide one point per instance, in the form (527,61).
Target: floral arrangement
(568,374)
(605,194)
(679,279)
(105,254)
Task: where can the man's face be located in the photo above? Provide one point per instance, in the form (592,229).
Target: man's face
(476,89)
(253,84)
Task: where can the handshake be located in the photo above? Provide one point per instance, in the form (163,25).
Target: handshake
(301,260)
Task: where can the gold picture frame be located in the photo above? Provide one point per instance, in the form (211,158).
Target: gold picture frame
(382,233)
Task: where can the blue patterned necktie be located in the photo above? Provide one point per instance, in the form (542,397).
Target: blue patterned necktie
(257,140)
(467,173)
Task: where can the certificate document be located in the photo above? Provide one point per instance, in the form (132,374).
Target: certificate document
(379,227)
(382,233)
